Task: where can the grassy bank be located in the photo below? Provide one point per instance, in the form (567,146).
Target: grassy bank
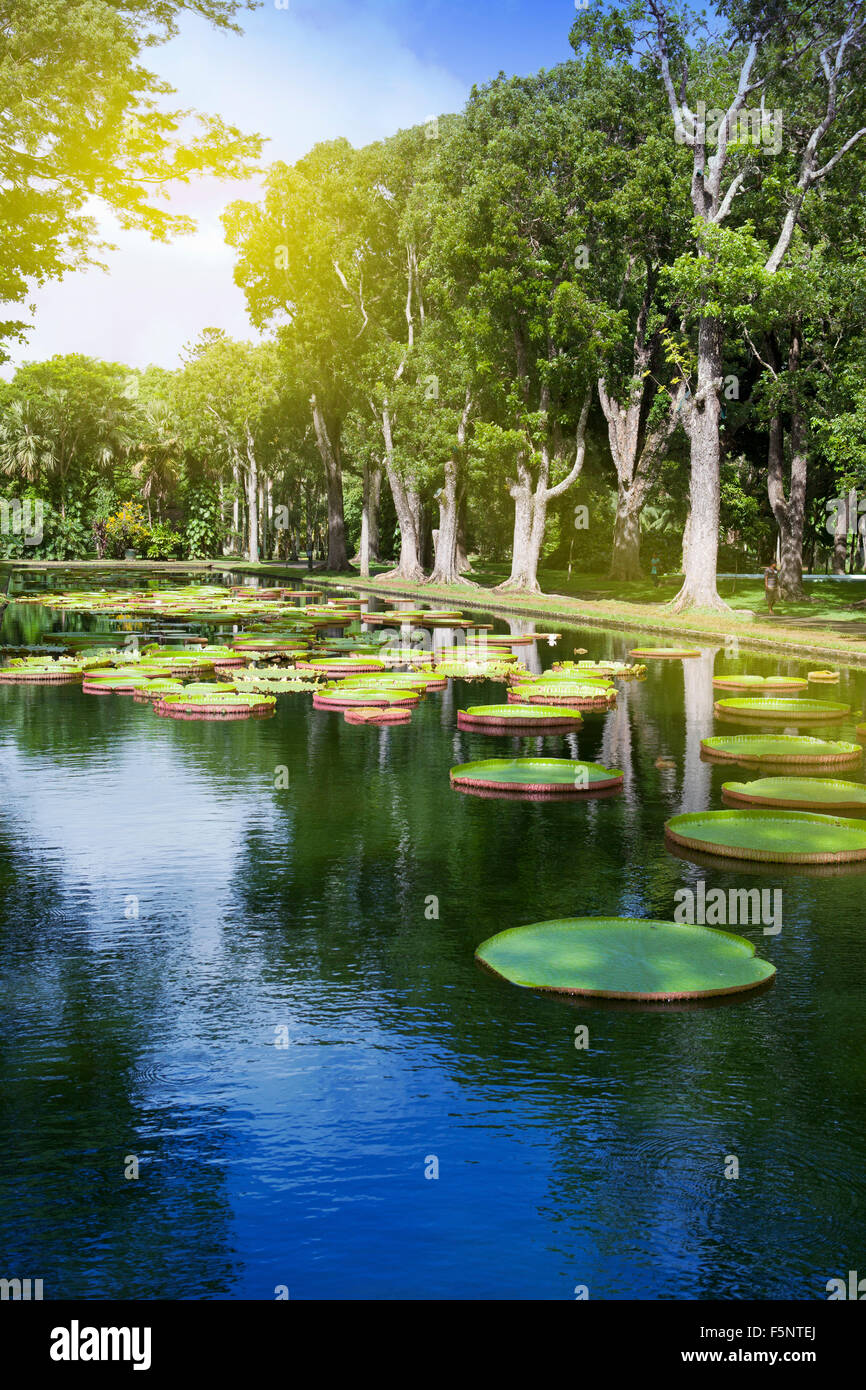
(827,626)
(824,628)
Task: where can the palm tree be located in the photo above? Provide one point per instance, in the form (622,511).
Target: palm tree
(26,448)
(158,456)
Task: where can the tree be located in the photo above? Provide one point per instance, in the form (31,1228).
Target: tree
(509,247)
(65,423)
(813,57)
(300,265)
(83,119)
(157,454)
(227,392)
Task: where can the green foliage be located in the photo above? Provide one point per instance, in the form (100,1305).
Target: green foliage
(163,542)
(83,119)
(204,528)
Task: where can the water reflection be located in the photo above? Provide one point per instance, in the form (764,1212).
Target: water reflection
(294,1019)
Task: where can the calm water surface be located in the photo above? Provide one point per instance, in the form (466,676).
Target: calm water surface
(304,916)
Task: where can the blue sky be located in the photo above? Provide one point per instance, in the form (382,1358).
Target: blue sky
(313,71)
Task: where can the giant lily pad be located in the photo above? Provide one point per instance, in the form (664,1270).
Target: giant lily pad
(622,958)
(509,719)
(474,670)
(791,711)
(217,706)
(579,695)
(41,671)
(402,680)
(761,683)
(121,682)
(539,776)
(374,714)
(562,678)
(794,749)
(584,669)
(779,837)
(340,665)
(349,696)
(797,794)
(665,653)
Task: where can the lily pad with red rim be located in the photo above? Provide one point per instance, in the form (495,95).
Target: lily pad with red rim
(797,750)
(536,776)
(741,682)
(795,711)
(516,718)
(797,794)
(773,836)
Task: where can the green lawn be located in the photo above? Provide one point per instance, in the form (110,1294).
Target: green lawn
(829,599)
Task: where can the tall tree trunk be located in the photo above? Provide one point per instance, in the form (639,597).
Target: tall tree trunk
(625,556)
(445,569)
(462,561)
(635,469)
(252,501)
(530,510)
(236,516)
(338,558)
(445,566)
(524,572)
(840,538)
(222,492)
(790,512)
(406,506)
(687,531)
(373,504)
(368,542)
(702,422)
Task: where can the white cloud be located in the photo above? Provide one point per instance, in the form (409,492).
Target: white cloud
(295,82)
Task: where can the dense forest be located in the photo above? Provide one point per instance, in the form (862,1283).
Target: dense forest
(610,311)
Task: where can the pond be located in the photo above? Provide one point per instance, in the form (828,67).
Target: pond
(239,961)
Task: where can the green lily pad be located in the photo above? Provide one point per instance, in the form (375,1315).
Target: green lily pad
(623,958)
(795,749)
(797,793)
(576,694)
(401,680)
(41,671)
(341,665)
(507,718)
(344,697)
(793,711)
(775,836)
(740,682)
(669,653)
(623,670)
(565,678)
(474,670)
(537,775)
